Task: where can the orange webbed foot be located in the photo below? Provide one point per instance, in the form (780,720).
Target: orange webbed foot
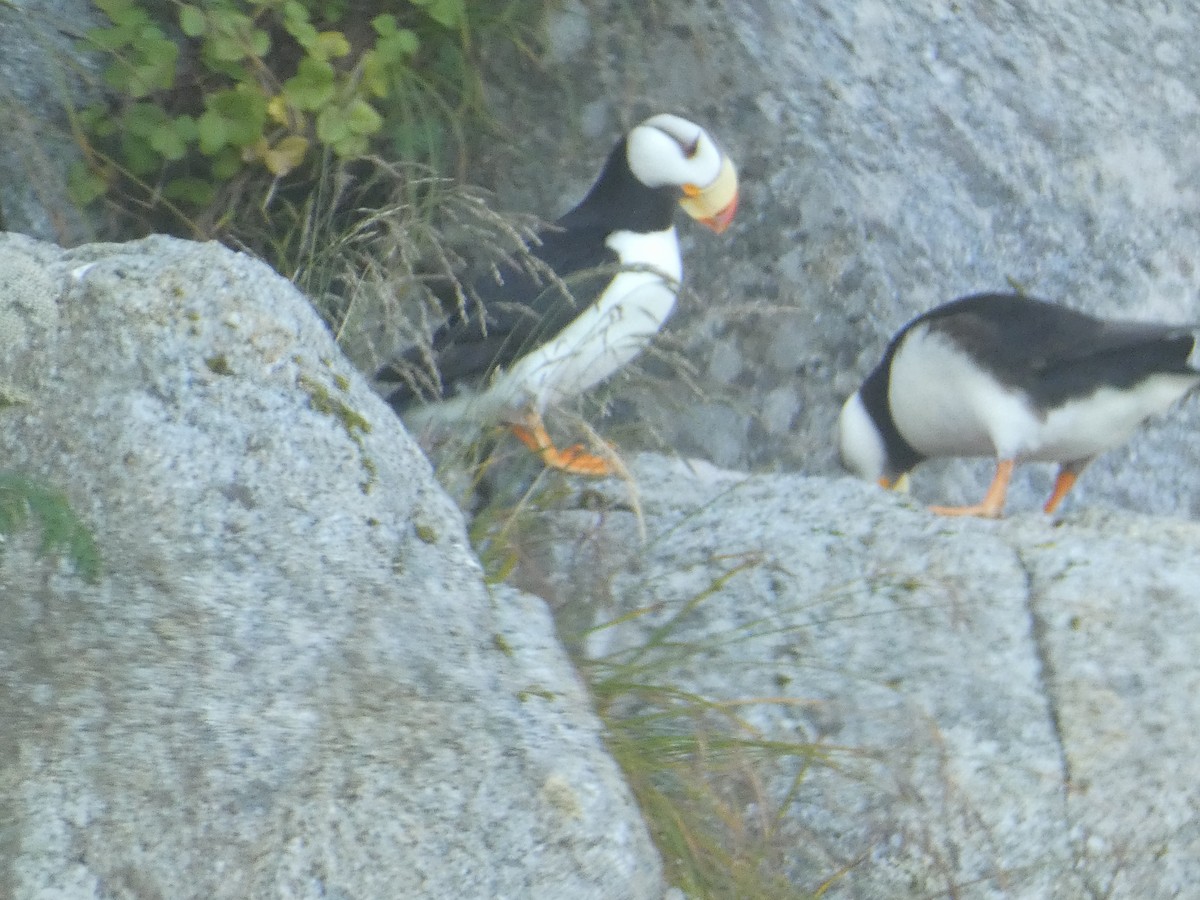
(575,460)
(992,505)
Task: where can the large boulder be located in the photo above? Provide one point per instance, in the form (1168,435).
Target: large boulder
(289,678)
(1006,709)
(893,156)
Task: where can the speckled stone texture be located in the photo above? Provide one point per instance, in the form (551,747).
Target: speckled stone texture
(1008,707)
(290,680)
(44,72)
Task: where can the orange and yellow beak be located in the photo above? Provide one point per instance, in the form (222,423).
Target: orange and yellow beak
(715,205)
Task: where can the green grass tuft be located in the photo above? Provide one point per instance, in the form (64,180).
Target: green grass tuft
(23,499)
(698,768)
(712,787)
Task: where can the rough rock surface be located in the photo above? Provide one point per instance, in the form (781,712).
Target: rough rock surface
(290,679)
(42,71)
(1009,706)
(893,156)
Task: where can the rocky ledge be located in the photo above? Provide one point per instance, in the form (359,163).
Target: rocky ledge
(1008,705)
(291,679)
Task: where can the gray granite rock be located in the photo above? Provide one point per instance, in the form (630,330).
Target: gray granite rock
(44,77)
(1008,707)
(893,156)
(1115,600)
(290,679)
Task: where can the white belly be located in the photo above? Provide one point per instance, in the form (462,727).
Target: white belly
(945,406)
(605,336)
(1083,428)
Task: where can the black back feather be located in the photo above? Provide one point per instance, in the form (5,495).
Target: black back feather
(1054,354)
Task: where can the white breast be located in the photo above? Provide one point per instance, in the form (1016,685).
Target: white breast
(605,336)
(945,405)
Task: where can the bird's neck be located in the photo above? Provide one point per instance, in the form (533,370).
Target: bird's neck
(619,201)
(901,455)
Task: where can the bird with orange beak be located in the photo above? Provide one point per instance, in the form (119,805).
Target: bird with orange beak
(613,270)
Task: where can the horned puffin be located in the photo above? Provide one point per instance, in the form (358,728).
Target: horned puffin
(618,255)
(1013,377)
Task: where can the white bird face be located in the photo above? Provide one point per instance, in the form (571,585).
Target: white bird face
(670,151)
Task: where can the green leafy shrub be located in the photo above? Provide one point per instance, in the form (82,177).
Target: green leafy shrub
(218,103)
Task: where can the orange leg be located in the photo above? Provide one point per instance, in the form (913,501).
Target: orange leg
(574,460)
(1066,480)
(993,502)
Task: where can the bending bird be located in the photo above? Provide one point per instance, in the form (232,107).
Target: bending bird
(1015,378)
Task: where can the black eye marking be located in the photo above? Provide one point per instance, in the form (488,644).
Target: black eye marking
(689,148)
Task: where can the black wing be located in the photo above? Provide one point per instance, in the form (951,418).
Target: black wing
(1054,353)
(531,303)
